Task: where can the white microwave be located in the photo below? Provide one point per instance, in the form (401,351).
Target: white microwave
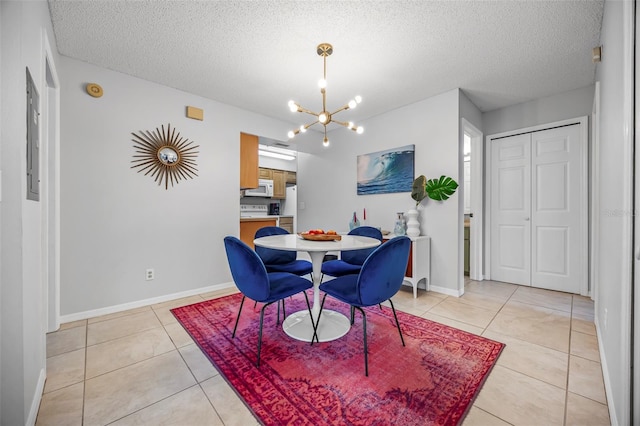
(264,189)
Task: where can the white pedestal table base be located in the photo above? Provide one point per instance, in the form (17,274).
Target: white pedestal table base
(333,325)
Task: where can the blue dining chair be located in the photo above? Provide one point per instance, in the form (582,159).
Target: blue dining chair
(253,281)
(281,260)
(380,278)
(351,261)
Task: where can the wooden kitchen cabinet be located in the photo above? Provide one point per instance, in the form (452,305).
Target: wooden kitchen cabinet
(249,226)
(286,222)
(291,177)
(265,173)
(279,184)
(248,161)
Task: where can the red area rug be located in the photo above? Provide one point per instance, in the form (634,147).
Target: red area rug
(431,381)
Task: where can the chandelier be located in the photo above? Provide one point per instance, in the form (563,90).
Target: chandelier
(324,117)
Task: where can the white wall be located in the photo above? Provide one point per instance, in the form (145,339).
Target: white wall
(561,106)
(116,222)
(327,177)
(613,284)
(470,112)
(22,314)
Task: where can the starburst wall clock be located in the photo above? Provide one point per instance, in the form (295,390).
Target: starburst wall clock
(164,155)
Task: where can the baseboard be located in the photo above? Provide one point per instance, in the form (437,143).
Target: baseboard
(140,303)
(37,397)
(446,290)
(605,377)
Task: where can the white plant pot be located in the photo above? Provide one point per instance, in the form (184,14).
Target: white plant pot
(413,225)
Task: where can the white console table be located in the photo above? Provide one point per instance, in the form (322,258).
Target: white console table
(419,265)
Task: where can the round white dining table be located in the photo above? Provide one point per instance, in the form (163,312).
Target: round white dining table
(333,325)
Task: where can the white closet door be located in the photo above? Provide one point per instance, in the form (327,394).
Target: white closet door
(537,209)
(556,240)
(510,209)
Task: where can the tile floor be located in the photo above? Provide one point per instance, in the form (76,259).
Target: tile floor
(141,367)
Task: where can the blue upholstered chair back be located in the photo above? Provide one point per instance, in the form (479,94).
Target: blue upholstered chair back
(357,257)
(272,256)
(247,269)
(383,272)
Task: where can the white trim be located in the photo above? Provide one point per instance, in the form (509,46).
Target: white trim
(584,135)
(584,218)
(477,182)
(50,213)
(446,290)
(37,397)
(487,209)
(635,310)
(606,377)
(594,191)
(539,127)
(627,220)
(140,303)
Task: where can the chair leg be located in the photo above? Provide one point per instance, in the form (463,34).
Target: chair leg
(284,313)
(364,332)
(397,323)
(260,332)
(315,327)
(238,318)
(278,317)
(352,315)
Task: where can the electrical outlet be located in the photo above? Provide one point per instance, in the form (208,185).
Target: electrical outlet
(150,274)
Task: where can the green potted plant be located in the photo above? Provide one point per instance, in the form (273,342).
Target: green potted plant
(436,189)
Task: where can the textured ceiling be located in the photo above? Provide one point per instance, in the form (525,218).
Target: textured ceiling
(258,55)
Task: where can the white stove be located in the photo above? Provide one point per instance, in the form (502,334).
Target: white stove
(251,210)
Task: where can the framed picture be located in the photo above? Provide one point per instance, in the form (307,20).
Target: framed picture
(387,171)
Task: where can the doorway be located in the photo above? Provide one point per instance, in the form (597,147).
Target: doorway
(473,182)
(538,205)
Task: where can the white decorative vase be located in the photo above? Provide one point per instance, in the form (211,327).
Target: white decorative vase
(413,225)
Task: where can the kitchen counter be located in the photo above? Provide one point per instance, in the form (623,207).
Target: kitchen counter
(249,225)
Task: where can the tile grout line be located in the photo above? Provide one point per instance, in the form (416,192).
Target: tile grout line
(566,394)
(496,362)
(84,377)
(499,310)
(209,400)
(152,404)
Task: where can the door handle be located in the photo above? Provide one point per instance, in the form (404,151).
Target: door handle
(526,219)
(638,252)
